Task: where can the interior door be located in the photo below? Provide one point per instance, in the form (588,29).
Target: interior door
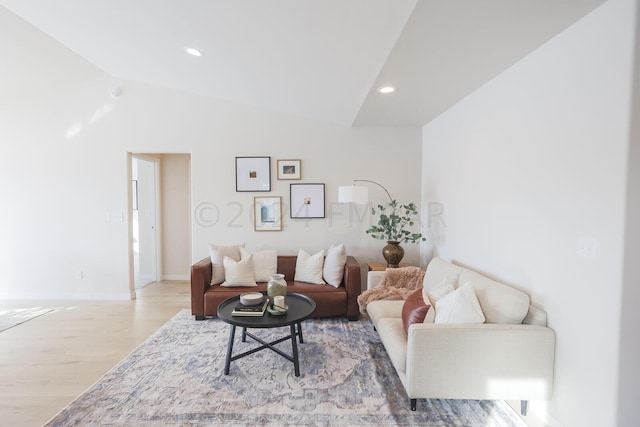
(145,244)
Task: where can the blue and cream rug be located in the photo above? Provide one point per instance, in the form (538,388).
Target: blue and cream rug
(176,378)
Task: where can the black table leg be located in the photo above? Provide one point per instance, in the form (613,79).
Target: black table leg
(300,333)
(232,335)
(244,334)
(294,348)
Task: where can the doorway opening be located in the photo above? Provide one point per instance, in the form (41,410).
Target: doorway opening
(160,226)
(144,215)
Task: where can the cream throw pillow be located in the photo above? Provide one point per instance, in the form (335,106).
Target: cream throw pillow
(309,267)
(333,269)
(460,306)
(442,289)
(238,273)
(217,254)
(265,263)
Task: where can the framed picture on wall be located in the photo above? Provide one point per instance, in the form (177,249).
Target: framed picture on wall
(289,169)
(253,173)
(267,213)
(307,200)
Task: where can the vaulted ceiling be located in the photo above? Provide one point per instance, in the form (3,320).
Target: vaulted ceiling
(320,59)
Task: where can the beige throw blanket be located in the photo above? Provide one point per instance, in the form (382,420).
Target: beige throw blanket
(396,284)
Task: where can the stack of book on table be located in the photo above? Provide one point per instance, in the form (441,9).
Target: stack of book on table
(250,310)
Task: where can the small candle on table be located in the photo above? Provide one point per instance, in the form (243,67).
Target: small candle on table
(278,300)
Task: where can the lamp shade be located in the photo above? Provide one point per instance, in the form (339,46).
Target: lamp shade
(353,194)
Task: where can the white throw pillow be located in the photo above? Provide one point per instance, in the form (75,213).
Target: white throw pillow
(309,267)
(217,254)
(334,262)
(460,306)
(238,273)
(265,263)
(442,289)
(445,287)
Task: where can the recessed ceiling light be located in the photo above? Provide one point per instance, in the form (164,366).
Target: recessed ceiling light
(386,89)
(193,51)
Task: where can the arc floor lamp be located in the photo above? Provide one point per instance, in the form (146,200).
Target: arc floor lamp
(358,194)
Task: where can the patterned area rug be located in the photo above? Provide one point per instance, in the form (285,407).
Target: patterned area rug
(176,378)
(11,318)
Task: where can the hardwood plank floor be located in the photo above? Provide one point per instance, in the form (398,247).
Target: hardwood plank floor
(48,361)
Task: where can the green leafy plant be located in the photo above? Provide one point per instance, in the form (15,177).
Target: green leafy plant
(393,220)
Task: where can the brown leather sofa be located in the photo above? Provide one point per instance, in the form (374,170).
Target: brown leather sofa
(330,301)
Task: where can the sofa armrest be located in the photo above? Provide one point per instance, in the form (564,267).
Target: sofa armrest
(480,361)
(352,284)
(373,278)
(200,281)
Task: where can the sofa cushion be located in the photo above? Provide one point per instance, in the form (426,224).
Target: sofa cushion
(330,301)
(431,315)
(535,316)
(439,270)
(500,303)
(382,308)
(238,273)
(334,262)
(445,287)
(392,335)
(265,263)
(309,267)
(217,254)
(414,310)
(442,289)
(460,306)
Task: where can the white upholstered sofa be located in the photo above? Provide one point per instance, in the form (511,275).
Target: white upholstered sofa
(508,357)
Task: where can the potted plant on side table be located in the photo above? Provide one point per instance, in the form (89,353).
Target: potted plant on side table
(393,221)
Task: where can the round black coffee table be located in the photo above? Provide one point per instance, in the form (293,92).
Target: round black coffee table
(301,307)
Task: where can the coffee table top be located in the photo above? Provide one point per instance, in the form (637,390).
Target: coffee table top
(301,307)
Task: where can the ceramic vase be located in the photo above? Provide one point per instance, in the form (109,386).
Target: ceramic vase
(393,254)
(276,286)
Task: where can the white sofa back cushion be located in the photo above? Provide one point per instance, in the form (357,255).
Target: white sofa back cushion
(535,316)
(438,271)
(500,303)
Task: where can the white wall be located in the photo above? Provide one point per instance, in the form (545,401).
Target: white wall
(522,168)
(629,369)
(64,180)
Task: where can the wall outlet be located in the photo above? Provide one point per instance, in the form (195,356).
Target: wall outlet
(79,275)
(587,247)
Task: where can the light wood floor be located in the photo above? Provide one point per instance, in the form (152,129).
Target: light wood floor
(48,361)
